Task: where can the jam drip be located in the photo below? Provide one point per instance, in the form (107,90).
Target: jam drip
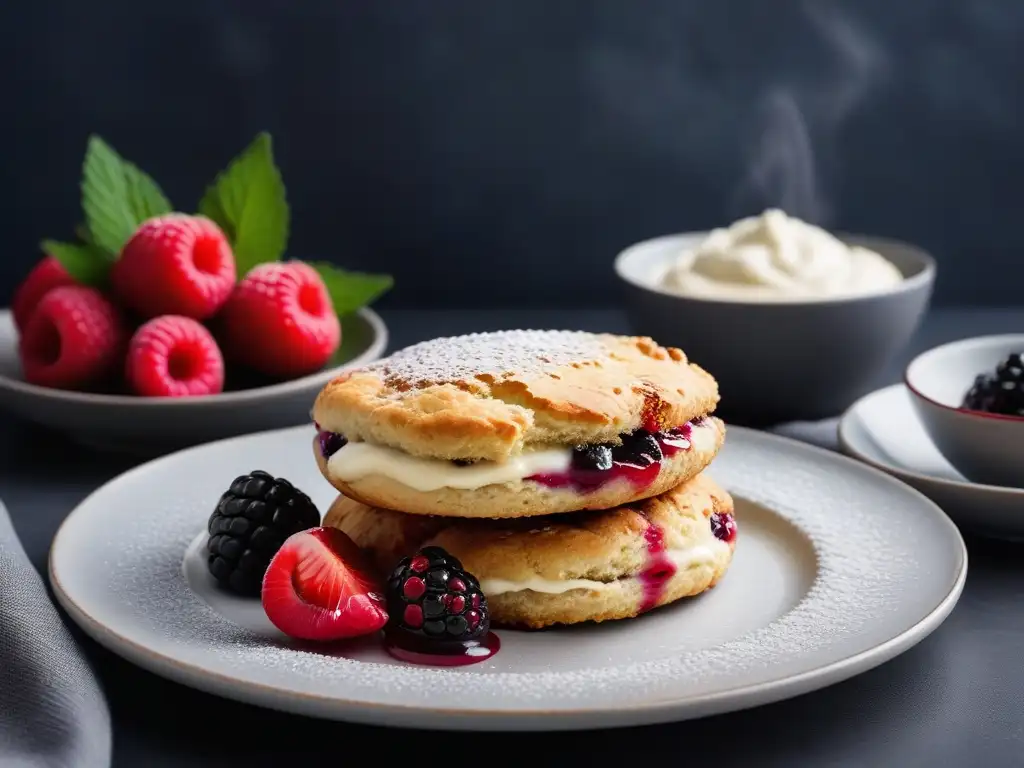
(637,459)
(416,649)
(659,569)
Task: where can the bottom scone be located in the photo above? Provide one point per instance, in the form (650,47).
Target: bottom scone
(569,568)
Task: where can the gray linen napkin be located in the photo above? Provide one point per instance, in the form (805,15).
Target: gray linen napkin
(52,710)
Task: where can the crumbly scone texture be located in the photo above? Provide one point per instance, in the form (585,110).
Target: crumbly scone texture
(605,546)
(523,498)
(488,395)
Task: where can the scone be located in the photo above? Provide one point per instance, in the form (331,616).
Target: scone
(569,568)
(516,424)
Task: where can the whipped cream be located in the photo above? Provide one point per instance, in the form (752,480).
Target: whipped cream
(701,554)
(775,257)
(354,461)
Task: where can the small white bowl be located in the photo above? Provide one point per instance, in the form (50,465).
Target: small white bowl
(984,447)
(152,425)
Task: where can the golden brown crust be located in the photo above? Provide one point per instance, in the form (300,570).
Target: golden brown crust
(606,546)
(487,396)
(523,498)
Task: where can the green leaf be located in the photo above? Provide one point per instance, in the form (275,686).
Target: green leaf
(116,197)
(351,290)
(248,202)
(85,263)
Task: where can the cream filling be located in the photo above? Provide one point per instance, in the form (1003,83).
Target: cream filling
(355,461)
(683,559)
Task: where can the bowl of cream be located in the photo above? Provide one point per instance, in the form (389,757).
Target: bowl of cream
(794,322)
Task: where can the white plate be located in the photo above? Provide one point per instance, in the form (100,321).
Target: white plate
(882,429)
(154,425)
(837,569)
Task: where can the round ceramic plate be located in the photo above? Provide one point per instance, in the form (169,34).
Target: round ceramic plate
(882,429)
(155,425)
(838,568)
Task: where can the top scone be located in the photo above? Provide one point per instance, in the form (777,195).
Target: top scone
(491,402)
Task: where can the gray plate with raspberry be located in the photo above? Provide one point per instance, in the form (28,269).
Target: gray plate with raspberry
(838,568)
(155,425)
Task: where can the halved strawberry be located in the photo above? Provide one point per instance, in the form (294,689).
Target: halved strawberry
(318,587)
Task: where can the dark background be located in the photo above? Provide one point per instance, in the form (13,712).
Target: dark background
(501,153)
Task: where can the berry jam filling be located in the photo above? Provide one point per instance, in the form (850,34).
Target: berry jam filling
(330,442)
(638,458)
(659,568)
(1000,392)
(723,526)
(438,614)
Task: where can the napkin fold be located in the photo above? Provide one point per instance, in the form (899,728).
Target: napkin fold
(52,709)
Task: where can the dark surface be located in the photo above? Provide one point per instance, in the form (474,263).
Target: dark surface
(956,699)
(436,140)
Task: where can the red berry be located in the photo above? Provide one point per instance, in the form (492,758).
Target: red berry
(413,616)
(175,265)
(318,587)
(174,356)
(44,277)
(414,588)
(74,339)
(280,321)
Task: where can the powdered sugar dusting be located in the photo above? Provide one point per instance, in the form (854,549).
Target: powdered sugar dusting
(886,560)
(463,358)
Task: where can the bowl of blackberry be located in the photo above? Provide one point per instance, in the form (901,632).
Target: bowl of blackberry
(969,395)
(153,329)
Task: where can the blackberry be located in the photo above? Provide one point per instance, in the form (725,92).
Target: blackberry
(638,448)
(431,598)
(331,442)
(248,526)
(592,457)
(1000,392)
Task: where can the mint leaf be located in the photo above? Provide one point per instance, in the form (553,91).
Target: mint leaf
(248,202)
(351,290)
(116,197)
(85,263)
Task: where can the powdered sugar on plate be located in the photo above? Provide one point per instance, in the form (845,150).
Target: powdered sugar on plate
(463,358)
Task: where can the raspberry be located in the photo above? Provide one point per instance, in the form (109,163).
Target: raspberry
(44,277)
(175,265)
(280,321)
(73,340)
(174,356)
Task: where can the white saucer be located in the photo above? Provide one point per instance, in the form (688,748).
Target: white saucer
(883,430)
(838,568)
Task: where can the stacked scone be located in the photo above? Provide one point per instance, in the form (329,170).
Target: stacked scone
(563,469)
